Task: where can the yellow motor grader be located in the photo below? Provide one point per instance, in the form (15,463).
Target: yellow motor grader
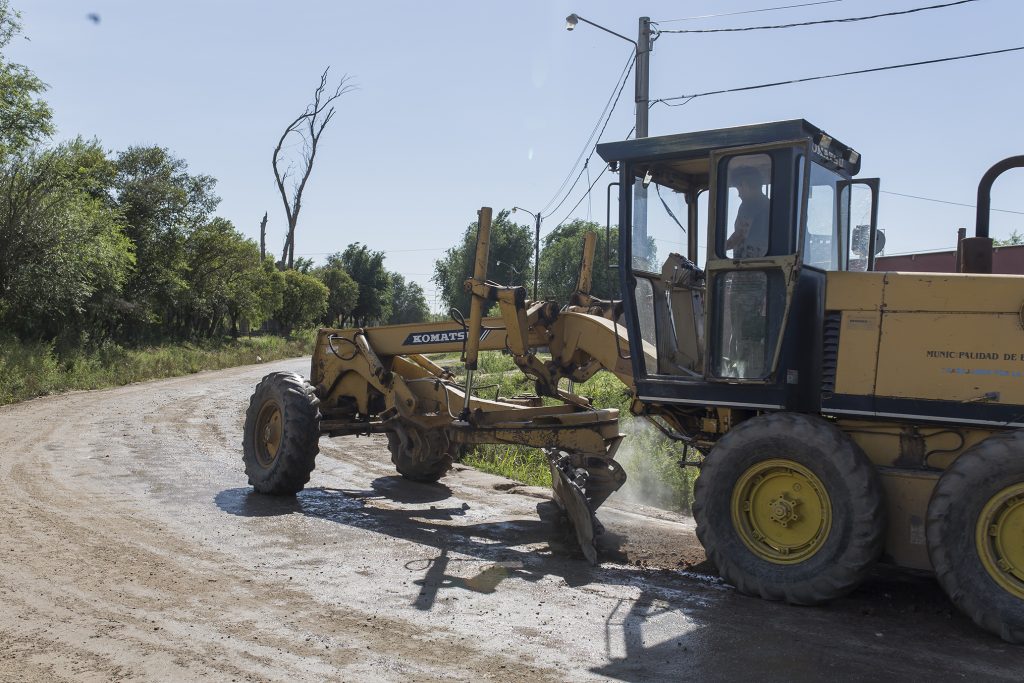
(845,415)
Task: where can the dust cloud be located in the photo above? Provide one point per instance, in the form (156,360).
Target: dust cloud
(654,475)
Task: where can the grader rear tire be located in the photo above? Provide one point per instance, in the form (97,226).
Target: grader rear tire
(789,508)
(419,455)
(976,534)
(282,434)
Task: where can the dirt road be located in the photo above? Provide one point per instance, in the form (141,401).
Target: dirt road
(132,549)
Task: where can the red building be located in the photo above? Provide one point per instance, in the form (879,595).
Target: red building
(1005,260)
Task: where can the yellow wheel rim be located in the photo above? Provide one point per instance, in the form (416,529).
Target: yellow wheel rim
(782,511)
(1000,538)
(268,433)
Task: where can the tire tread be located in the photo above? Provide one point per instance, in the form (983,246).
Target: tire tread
(1000,453)
(300,439)
(867,525)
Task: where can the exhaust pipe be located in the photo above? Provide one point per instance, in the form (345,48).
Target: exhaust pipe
(974,254)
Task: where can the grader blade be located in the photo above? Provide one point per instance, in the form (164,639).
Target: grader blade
(581,483)
(569,484)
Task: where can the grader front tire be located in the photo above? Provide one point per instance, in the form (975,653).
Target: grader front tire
(282,434)
(789,508)
(976,534)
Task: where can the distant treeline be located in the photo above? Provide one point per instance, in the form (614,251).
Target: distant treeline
(126,246)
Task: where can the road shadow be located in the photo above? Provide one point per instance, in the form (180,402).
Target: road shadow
(894,627)
(424,519)
(245,502)
(682,625)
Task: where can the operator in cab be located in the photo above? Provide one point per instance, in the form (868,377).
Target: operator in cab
(750,231)
(746,296)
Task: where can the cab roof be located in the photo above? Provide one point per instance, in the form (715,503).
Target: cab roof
(701,143)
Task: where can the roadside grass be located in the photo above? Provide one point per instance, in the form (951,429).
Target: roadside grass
(651,460)
(35,369)
(526,465)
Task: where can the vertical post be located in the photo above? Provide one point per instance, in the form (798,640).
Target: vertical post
(692,228)
(643,78)
(961,233)
(476,305)
(585,282)
(536,257)
(263,237)
(643,75)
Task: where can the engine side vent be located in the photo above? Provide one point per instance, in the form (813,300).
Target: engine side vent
(830,351)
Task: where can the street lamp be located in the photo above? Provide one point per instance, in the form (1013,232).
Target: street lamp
(573,19)
(536,247)
(642,45)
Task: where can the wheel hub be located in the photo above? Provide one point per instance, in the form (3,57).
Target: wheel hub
(268,433)
(999,537)
(781,511)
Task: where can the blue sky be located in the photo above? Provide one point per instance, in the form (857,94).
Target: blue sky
(464,104)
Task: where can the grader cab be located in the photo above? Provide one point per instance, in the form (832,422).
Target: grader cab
(845,415)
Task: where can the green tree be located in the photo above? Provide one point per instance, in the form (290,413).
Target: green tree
(562,255)
(1013,240)
(303,264)
(25,119)
(65,256)
(303,301)
(162,204)
(343,291)
(366,267)
(226,280)
(257,295)
(409,304)
(508,260)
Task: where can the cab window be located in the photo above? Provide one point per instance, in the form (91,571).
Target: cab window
(748,207)
(826,217)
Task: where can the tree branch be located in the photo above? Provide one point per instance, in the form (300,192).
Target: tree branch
(314,120)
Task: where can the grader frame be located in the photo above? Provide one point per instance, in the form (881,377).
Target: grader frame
(379,380)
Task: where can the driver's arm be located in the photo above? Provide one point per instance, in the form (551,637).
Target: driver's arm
(741,230)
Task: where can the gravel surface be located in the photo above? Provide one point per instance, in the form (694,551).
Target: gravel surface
(132,549)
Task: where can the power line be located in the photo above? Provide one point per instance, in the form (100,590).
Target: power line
(613,99)
(568,192)
(749,11)
(586,163)
(821,21)
(585,195)
(943,201)
(666,100)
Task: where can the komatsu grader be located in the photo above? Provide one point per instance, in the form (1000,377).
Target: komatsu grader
(844,415)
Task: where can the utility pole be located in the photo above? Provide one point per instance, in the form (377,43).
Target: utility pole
(643,89)
(643,75)
(536,257)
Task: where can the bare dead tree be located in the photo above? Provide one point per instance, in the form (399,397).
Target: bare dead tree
(263,237)
(308,127)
